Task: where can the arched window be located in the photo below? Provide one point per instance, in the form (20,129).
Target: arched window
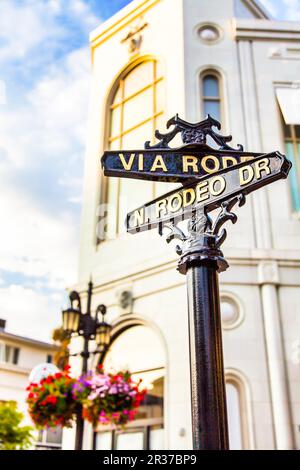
(131,351)
(234,416)
(211,95)
(238,412)
(136,110)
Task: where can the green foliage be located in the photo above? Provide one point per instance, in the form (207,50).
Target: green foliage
(12,435)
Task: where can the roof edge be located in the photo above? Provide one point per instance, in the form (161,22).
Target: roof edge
(26,340)
(258,8)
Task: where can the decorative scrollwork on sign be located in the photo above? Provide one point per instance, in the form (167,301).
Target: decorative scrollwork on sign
(192,134)
(201,225)
(175,234)
(224,215)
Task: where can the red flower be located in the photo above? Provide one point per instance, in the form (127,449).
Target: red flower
(67,368)
(58,375)
(51,400)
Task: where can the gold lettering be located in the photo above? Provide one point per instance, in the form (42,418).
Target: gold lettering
(178,202)
(127,166)
(192,196)
(217,185)
(245,179)
(262,165)
(202,191)
(158,164)
(227,160)
(188,161)
(141,162)
(138,217)
(161,208)
(215,163)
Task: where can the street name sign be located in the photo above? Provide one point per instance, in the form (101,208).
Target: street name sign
(171,165)
(209,192)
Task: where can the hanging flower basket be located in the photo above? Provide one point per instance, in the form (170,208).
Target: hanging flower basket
(108,398)
(51,402)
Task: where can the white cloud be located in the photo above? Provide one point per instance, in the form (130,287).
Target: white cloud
(35,243)
(43,134)
(270,7)
(292,11)
(25,25)
(53,119)
(60,101)
(82,10)
(29,313)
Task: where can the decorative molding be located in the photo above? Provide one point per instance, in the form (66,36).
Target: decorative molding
(266,30)
(134,37)
(192,134)
(268,272)
(226,295)
(125,300)
(119,21)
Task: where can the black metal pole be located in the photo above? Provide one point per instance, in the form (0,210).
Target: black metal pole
(200,262)
(79,418)
(85,356)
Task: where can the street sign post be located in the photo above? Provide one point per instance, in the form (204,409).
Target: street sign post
(212,178)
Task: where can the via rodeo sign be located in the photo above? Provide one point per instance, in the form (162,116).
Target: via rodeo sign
(210,177)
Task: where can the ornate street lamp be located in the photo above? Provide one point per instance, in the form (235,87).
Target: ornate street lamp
(90,328)
(102,331)
(71,319)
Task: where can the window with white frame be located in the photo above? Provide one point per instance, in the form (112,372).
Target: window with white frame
(9,354)
(288,97)
(238,412)
(49,439)
(292,150)
(211,95)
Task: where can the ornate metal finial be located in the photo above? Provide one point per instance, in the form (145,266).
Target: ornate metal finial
(75,299)
(192,134)
(205,236)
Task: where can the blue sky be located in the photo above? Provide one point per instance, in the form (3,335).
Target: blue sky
(44,89)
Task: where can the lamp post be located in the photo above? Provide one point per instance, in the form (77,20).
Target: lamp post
(75,322)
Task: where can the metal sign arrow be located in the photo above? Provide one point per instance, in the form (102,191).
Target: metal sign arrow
(209,192)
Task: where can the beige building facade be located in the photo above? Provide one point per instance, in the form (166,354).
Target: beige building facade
(151,60)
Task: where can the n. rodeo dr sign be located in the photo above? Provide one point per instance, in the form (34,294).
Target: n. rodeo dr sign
(209,191)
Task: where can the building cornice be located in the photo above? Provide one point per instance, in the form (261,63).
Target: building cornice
(256,8)
(121,19)
(4,335)
(15,369)
(238,258)
(266,30)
